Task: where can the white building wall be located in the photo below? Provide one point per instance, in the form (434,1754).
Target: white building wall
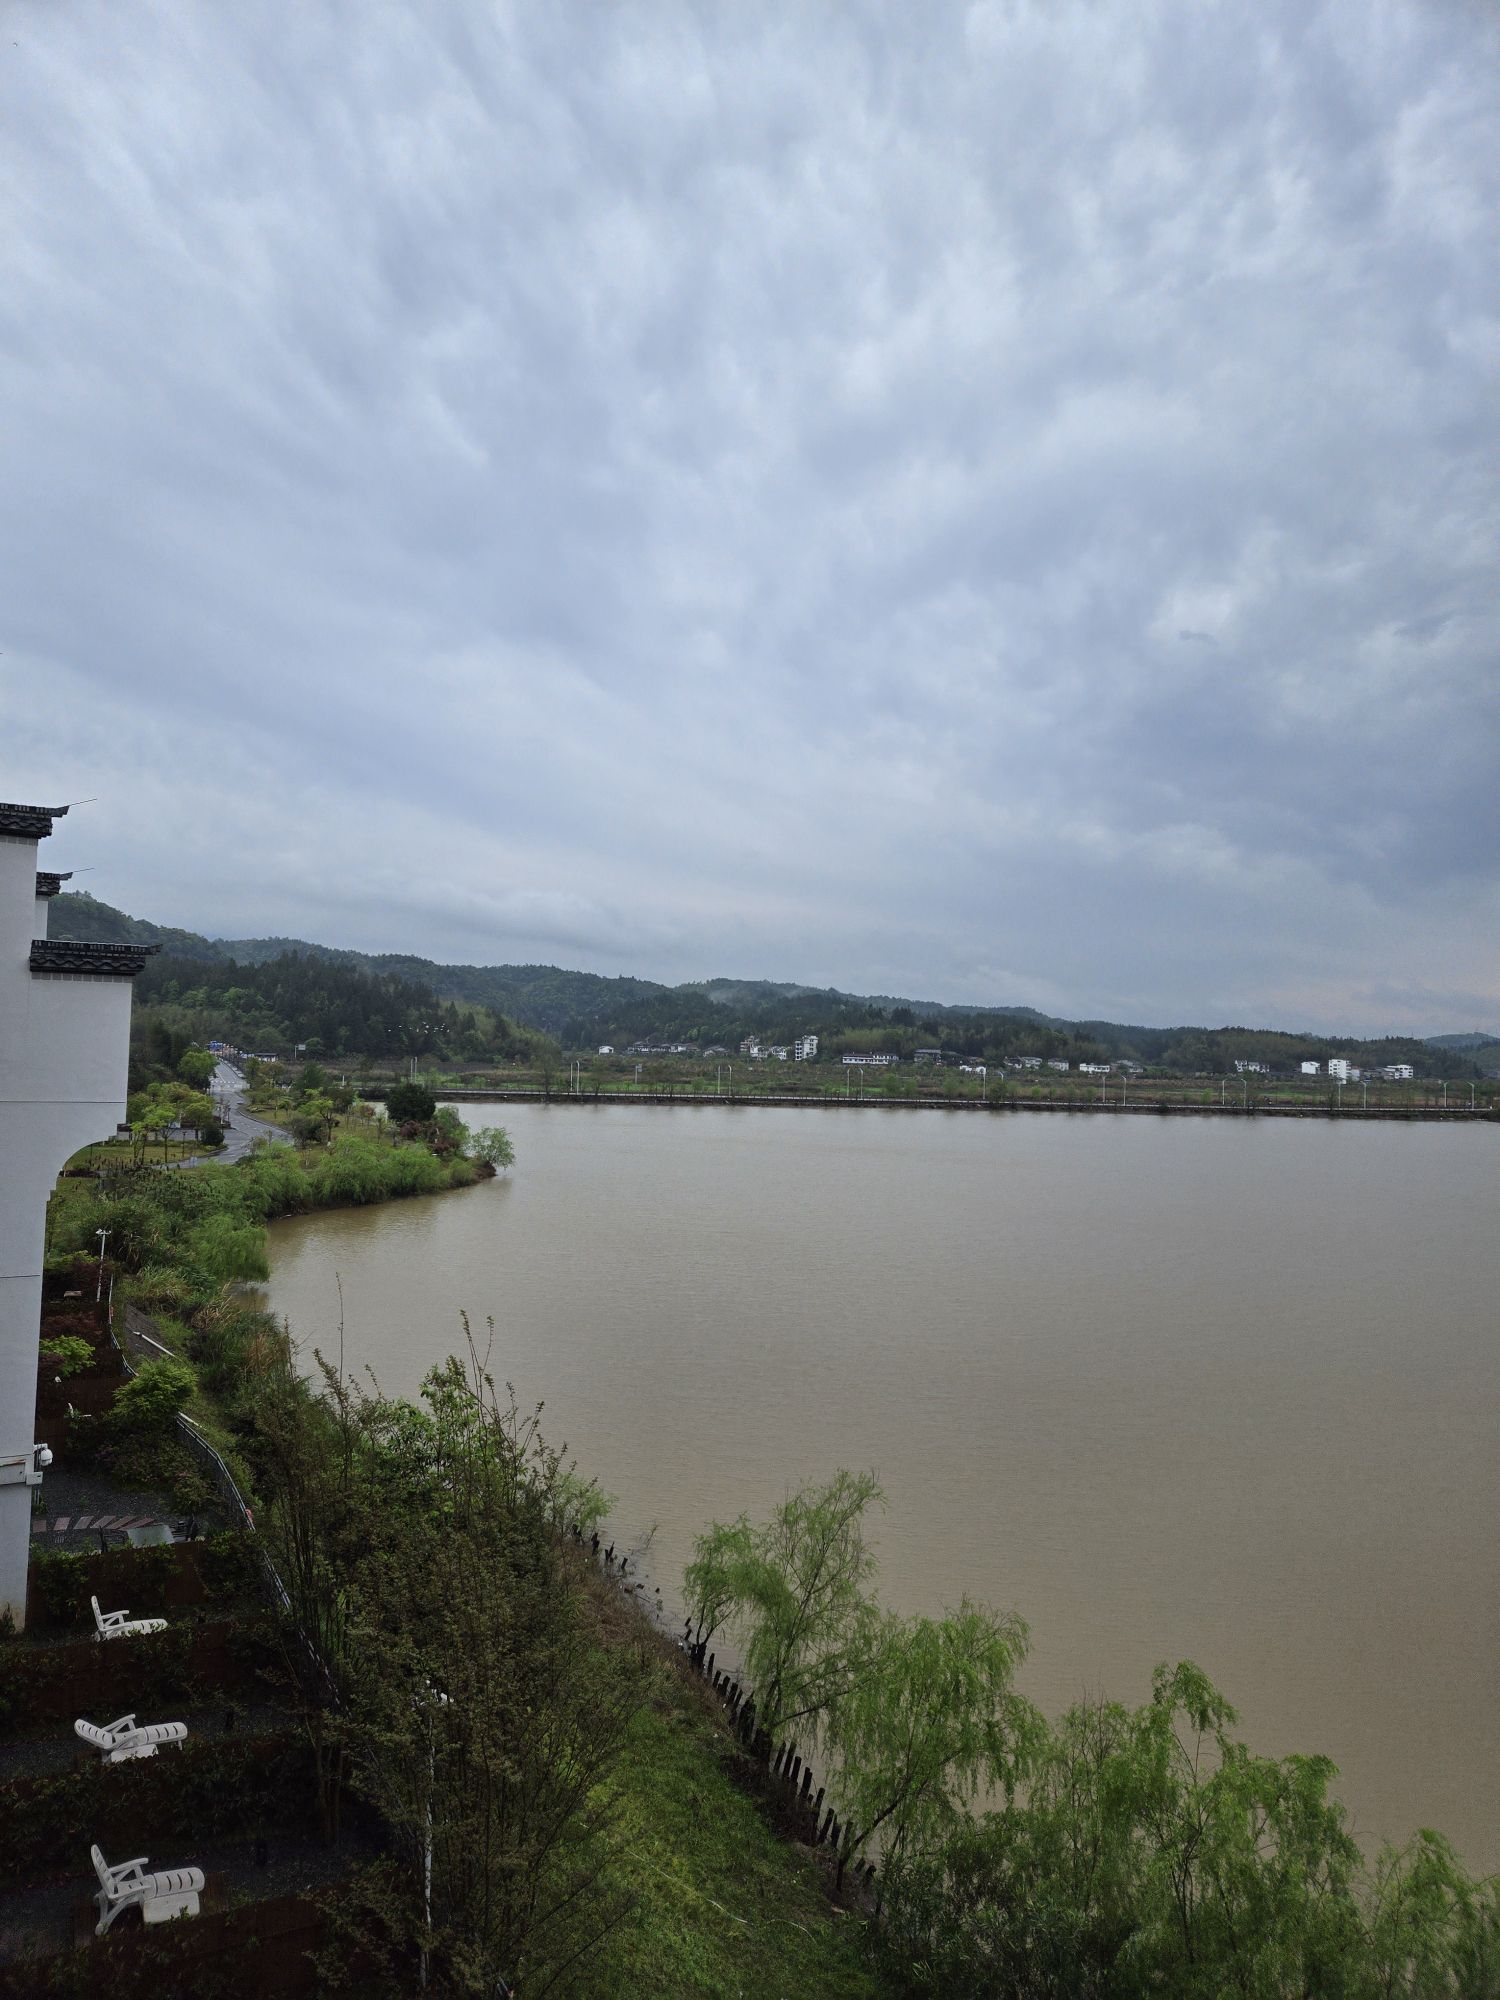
(64,1047)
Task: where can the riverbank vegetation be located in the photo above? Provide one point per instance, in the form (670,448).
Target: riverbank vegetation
(1125,1852)
(473,1682)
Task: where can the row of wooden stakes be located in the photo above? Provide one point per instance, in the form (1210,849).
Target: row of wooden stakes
(784,1767)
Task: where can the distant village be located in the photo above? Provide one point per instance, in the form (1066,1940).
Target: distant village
(805,1049)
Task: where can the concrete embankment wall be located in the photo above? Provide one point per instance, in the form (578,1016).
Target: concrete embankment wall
(1081,1107)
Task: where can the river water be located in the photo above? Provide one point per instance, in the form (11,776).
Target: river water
(1219,1390)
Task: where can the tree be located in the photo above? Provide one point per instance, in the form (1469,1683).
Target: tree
(1145,1852)
(157,1110)
(793,1592)
(464,1693)
(491,1145)
(410,1104)
(196,1067)
(1433,1930)
(314,1116)
(930,1717)
(712,1581)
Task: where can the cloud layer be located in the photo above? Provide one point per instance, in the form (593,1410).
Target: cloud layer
(993,502)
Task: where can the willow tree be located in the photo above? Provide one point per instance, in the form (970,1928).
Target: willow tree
(930,1719)
(792,1591)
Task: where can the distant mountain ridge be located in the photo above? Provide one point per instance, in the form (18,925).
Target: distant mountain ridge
(578,1008)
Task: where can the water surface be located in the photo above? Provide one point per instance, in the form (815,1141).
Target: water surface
(1218,1390)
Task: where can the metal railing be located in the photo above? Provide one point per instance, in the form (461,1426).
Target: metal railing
(203,1451)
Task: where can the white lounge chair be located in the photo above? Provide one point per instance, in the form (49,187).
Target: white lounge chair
(171,1893)
(117,1742)
(120,1624)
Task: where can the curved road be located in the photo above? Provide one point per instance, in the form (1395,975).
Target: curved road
(242,1132)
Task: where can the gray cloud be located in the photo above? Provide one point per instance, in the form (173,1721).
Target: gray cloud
(996,502)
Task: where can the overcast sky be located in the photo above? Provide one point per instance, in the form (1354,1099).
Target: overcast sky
(994,503)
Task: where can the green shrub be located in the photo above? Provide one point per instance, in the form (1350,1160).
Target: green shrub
(352,1171)
(229,1563)
(165,1288)
(66,1354)
(232,1251)
(147,1405)
(414,1170)
(273,1183)
(61,1579)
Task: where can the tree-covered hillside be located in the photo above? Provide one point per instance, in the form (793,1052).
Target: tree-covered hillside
(326,1009)
(475,1011)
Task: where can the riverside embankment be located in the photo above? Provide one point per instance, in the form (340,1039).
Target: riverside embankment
(1081,1106)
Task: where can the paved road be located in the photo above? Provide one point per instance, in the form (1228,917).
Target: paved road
(242,1132)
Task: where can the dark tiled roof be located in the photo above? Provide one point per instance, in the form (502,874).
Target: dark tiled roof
(29,822)
(114,961)
(48,884)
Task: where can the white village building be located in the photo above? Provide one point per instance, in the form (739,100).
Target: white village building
(64,1047)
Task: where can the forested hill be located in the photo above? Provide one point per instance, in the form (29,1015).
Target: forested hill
(583,1009)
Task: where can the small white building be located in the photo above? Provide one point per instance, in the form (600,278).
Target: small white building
(872,1061)
(1312,1069)
(1338,1069)
(1023,1062)
(1398,1072)
(605,1049)
(1246,1068)
(805,1048)
(64,1048)
(1056,1062)
(1093,1069)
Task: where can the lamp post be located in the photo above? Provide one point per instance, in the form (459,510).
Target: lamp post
(103,1236)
